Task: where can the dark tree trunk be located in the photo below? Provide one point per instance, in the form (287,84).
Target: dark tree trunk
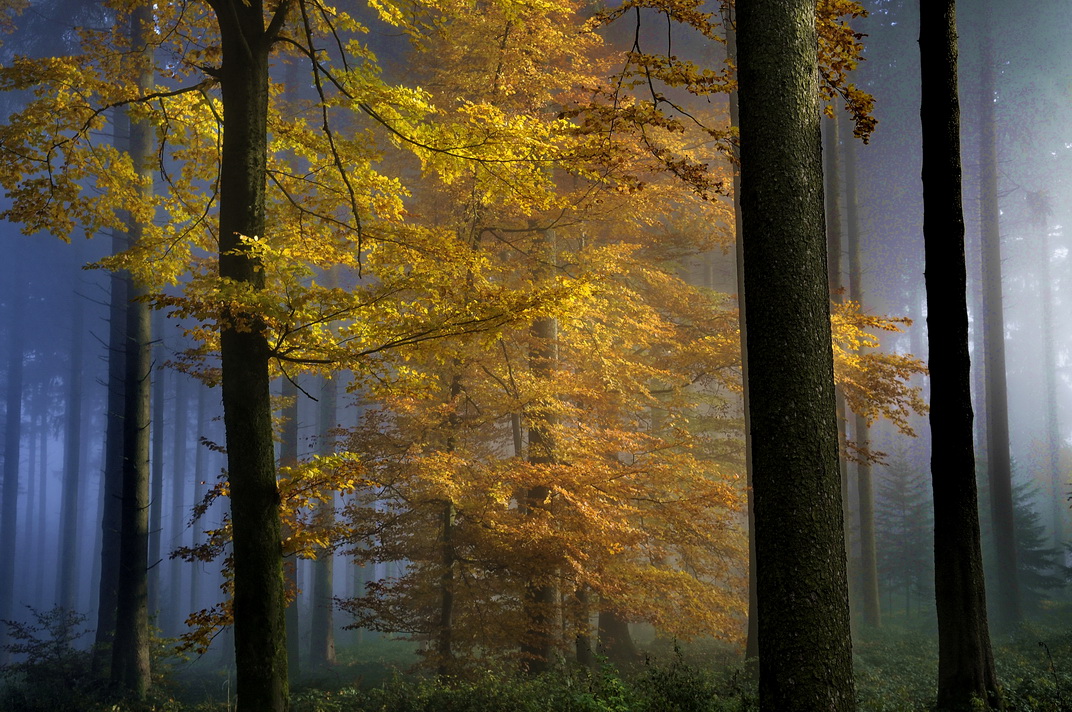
(965,661)
(751,652)
(259,600)
(322,619)
(447,515)
(156,506)
(540,596)
(198,533)
(130,651)
(12,440)
(805,652)
(868,559)
(615,640)
(998,461)
(112,471)
(66,589)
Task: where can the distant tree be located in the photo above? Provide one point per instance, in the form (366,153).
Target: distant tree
(966,672)
(904,520)
(800,552)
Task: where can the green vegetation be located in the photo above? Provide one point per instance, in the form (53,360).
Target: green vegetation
(895,672)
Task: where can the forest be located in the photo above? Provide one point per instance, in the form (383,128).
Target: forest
(535,355)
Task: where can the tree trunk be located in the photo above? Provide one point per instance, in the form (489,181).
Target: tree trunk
(288,457)
(130,650)
(999,464)
(868,559)
(12,440)
(805,652)
(156,507)
(259,600)
(615,640)
(751,652)
(322,619)
(198,534)
(179,477)
(965,661)
(67,573)
(540,594)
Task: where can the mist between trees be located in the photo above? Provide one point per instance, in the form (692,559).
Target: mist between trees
(415,330)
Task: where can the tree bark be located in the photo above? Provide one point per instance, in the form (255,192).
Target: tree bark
(259,600)
(288,457)
(130,649)
(322,619)
(805,652)
(66,589)
(12,440)
(965,661)
(156,507)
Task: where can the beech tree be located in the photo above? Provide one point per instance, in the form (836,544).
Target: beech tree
(966,674)
(805,653)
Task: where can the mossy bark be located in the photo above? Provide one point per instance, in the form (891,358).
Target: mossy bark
(805,652)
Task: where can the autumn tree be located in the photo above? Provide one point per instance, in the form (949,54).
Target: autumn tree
(800,552)
(966,674)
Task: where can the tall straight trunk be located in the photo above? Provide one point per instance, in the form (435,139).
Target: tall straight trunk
(130,649)
(805,651)
(965,660)
(1058,505)
(751,651)
(288,457)
(178,505)
(156,506)
(259,599)
(67,571)
(322,619)
(540,595)
(615,640)
(447,515)
(999,462)
(864,486)
(12,440)
(41,530)
(197,535)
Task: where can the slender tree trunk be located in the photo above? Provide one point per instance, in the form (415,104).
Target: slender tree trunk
(156,507)
(864,487)
(445,627)
(322,619)
(67,573)
(965,661)
(197,535)
(179,477)
(999,463)
(288,457)
(1058,505)
(259,600)
(130,652)
(805,652)
(751,652)
(12,440)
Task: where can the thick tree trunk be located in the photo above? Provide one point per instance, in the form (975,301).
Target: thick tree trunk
(156,506)
(615,640)
(259,601)
(868,559)
(998,462)
(805,652)
(965,661)
(322,619)
(541,597)
(130,651)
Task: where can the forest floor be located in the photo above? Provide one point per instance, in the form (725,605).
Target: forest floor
(895,672)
